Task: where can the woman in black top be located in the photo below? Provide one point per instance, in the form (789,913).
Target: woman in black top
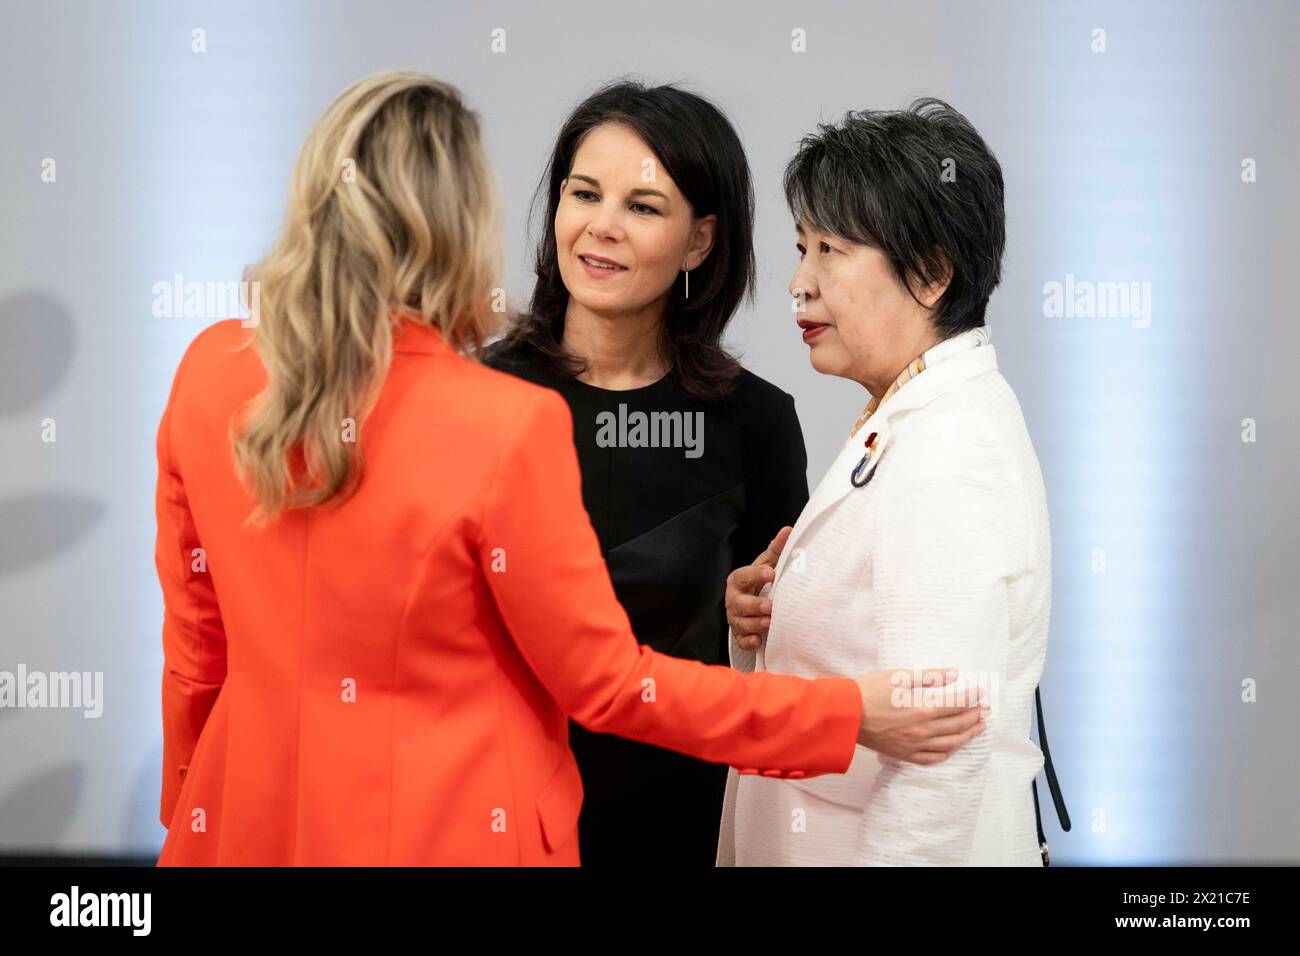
(690,464)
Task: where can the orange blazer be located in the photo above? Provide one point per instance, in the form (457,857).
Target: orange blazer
(388,682)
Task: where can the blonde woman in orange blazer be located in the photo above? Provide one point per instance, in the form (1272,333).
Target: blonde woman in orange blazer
(380,613)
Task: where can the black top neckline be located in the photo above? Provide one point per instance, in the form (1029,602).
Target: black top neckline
(639,390)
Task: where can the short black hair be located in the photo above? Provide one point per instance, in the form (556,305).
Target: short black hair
(698,147)
(919,184)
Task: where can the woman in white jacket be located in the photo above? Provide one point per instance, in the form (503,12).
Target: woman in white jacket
(928,538)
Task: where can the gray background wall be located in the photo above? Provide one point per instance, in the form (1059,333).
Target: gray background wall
(1122,165)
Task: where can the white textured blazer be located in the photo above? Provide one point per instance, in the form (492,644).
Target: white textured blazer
(942,560)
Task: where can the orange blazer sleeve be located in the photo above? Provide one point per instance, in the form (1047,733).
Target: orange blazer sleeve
(194,639)
(543,564)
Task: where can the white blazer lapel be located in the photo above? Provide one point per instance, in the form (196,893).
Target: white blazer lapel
(920,391)
(836,483)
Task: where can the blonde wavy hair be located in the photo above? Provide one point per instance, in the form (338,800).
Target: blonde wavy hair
(392,207)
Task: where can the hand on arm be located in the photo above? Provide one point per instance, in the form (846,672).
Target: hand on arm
(556,600)
(924,735)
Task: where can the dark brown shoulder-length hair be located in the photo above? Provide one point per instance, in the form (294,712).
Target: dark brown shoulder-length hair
(698,147)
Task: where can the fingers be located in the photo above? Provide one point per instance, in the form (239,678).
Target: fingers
(749,615)
(750,626)
(925,758)
(949,744)
(932,695)
(750,579)
(749,605)
(938,749)
(957,724)
(745,628)
(969,712)
(773,552)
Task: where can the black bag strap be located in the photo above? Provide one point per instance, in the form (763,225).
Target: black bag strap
(1062,814)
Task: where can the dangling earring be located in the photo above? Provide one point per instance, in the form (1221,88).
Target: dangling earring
(688,283)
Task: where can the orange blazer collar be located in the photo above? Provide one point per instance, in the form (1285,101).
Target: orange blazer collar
(410,334)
